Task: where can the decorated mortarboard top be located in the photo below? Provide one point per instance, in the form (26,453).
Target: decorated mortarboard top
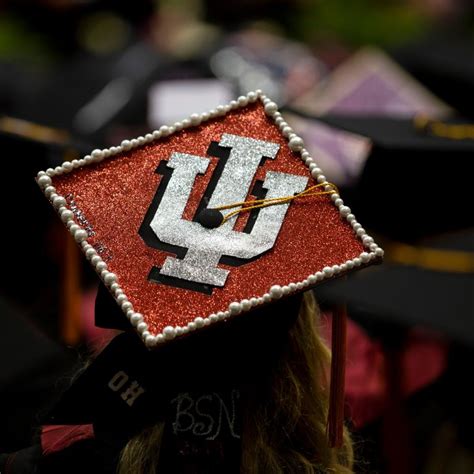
(208,218)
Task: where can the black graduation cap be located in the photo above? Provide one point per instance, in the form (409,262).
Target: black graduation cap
(96,396)
(443,62)
(414,183)
(429,285)
(30,364)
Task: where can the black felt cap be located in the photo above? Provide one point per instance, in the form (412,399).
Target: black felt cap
(189,364)
(413,184)
(443,62)
(436,292)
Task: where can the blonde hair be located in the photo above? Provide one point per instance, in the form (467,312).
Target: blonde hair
(284,414)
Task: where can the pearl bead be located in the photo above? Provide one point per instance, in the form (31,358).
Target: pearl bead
(338,202)
(164,130)
(126,305)
(160,338)
(101,266)
(276,291)
(213,318)
(296,143)
(80,235)
(179,330)
(44,181)
(59,201)
(199,322)
(90,253)
(110,278)
(66,215)
(357,262)
(97,154)
(367,239)
(186,123)
(67,165)
(235,308)
(270,108)
(149,137)
(379,252)
(195,119)
(349,265)
(259,92)
(142,326)
(221,315)
(373,246)
(321,179)
(141,140)
(350,218)
(192,326)
(134,143)
(316,172)
(156,134)
(267,298)
(334,197)
(72,227)
(205,116)
(286,290)
(150,341)
(242,100)
(356,226)
(344,211)
(136,319)
(280,121)
(360,232)
(49,190)
(365,257)
(328,272)
(121,298)
(126,145)
(246,305)
(312,279)
(252,96)
(207,321)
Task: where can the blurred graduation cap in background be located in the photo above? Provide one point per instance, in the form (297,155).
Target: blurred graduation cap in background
(420,179)
(429,285)
(444,63)
(417,169)
(50,258)
(29,369)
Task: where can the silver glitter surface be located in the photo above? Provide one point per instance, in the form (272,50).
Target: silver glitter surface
(206,246)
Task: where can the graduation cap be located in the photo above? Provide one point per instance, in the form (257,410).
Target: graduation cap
(208,218)
(443,62)
(417,168)
(429,285)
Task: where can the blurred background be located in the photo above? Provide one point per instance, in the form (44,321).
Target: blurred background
(383,94)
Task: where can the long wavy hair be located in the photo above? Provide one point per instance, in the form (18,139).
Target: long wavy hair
(284,414)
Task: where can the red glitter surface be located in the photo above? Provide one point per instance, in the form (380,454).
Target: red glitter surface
(114,196)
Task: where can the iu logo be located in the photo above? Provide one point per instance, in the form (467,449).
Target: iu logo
(200,250)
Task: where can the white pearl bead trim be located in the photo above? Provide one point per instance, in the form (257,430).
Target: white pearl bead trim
(295,143)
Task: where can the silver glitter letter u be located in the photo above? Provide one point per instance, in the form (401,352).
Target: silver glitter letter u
(205,247)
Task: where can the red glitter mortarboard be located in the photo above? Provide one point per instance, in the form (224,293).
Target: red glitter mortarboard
(148,216)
